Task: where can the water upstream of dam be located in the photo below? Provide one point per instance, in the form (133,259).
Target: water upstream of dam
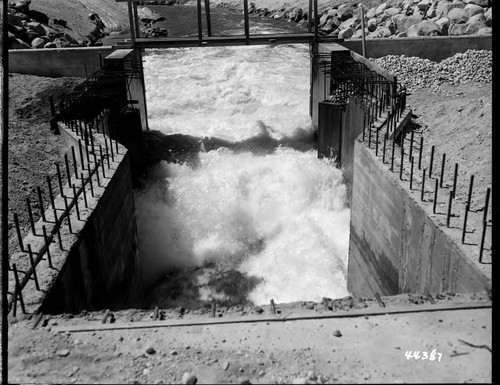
(254,215)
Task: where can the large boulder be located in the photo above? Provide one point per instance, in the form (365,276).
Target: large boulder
(427,28)
(458,29)
(392,11)
(485,31)
(62,42)
(412,31)
(344,13)
(473,9)
(18,44)
(147,15)
(400,21)
(20,5)
(444,7)
(380,9)
(475,23)
(50,44)
(14,19)
(19,32)
(488,15)
(431,12)
(372,24)
(346,33)
(424,5)
(330,25)
(372,12)
(381,32)
(38,42)
(353,22)
(482,3)
(413,20)
(457,16)
(324,18)
(443,25)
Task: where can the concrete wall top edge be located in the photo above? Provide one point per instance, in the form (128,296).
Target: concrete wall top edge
(69,49)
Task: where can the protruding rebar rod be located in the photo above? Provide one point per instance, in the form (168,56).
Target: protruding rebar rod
(273,306)
(410,155)
(40,203)
(97,170)
(376,145)
(91,184)
(59,179)
(107,153)
(74,161)
(52,106)
(385,144)
(81,153)
(469,196)
(379,300)
(420,152)
(481,245)
(436,186)
(76,203)
(455,176)
(33,267)
(423,185)
(402,162)
(68,214)
(214,309)
(83,190)
(442,171)
(68,173)
(448,215)
(57,226)
(392,155)
(19,293)
(18,231)
(102,161)
(47,246)
(111,149)
(51,193)
(411,174)
(464,226)
(87,152)
(486,204)
(369,136)
(30,215)
(431,162)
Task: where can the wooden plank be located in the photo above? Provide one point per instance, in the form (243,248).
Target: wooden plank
(371,65)
(200,321)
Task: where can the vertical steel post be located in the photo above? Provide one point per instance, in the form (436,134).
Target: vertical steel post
(131,22)
(247,27)
(309,17)
(209,21)
(136,20)
(200,30)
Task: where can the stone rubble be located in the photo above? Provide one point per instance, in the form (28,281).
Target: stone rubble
(396,18)
(415,73)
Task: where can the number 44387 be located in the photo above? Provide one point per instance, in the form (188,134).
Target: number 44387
(418,355)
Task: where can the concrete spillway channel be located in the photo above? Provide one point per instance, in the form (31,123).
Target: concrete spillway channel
(89,254)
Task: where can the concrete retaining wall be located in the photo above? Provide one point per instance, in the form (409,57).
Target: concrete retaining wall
(434,48)
(101,269)
(57,62)
(394,246)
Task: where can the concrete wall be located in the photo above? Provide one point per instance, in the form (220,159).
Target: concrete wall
(434,48)
(102,269)
(57,62)
(394,246)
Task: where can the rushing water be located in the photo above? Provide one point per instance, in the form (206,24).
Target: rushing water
(256,215)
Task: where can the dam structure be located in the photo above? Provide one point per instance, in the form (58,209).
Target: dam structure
(83,253)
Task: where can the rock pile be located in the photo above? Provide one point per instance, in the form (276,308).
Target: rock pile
(416,73)
(32,29)
(148,18)
(397,18)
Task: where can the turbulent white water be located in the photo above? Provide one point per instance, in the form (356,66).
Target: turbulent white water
(279,216)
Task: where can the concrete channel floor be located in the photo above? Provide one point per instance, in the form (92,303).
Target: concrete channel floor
(370,349)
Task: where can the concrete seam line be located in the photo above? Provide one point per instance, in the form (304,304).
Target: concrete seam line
(343,314)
